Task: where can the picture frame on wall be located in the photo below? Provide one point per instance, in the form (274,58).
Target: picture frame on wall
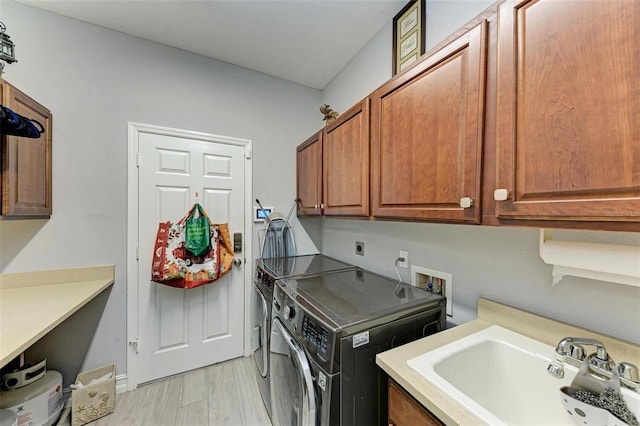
(408,35)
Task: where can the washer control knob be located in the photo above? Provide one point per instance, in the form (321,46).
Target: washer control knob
(289,312)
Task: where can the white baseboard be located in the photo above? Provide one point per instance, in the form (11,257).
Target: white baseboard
(121,383)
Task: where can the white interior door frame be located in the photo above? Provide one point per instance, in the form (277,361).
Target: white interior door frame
(134,131)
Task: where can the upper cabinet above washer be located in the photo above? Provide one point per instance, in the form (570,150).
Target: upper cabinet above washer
(309,176)
(346,163)
(568,111)
(333,167)
(528,115)
(427,136)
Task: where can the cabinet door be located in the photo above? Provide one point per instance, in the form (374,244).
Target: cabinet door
(26,162)
(568,145)
(309,175)
(404,410)
(346,163)
(427,134)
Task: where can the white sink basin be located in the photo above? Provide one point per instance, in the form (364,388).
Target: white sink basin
(501,377)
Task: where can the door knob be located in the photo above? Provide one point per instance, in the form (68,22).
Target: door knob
(237,261)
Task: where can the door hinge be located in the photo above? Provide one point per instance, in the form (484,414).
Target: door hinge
(247,153)
(137,253)
(134,344)
(137,159)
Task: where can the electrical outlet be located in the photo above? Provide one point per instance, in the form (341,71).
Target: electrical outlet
(403,263)
(360,248)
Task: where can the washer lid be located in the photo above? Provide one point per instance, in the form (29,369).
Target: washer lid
(294,266)
(351,297)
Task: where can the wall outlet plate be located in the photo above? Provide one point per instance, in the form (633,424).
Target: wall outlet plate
(404,263)
(360,248)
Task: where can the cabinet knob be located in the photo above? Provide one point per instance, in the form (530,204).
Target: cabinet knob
(315,206)
(501,194)
(466,202)
(322,206)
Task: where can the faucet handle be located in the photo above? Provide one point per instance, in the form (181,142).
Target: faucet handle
(556,369)
(629,373)
(576,351)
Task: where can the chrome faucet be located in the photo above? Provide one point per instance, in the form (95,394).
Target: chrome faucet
(571,351)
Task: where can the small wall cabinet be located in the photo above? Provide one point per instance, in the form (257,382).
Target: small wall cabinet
(404,410)
(568,111)
(26,162)
(309,175)
(333,167)
(427,133)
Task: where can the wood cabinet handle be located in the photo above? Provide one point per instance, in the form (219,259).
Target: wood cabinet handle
(501,194)
(466,202)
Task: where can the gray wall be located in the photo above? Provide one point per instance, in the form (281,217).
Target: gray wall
(496,262)
(101,79)
(94,81)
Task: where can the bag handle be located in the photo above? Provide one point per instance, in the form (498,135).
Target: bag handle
(42,129)
(192,210)
(201,210)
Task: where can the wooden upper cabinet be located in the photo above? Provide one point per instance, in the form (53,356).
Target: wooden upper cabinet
(346,163)
(333,167)
(26,162)
(568,111)
(309,175)
(427,135)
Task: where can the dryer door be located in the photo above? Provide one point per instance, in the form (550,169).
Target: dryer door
(260,320)
(293,396)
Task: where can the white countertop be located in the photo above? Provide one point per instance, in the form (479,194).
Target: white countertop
(447,409)
(34,303)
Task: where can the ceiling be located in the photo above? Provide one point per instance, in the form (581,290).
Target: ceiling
(304,41)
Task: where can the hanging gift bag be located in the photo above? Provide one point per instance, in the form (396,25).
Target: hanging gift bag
(174,264)
(197,240)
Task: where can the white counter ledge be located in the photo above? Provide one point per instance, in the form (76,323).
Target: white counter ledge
(447,409)
(34,303)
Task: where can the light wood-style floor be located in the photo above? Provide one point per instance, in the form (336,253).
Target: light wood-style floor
(220,394)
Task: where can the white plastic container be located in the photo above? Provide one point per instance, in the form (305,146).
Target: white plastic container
(37,404)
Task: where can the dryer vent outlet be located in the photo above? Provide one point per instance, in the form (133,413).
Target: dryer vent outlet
(360,248)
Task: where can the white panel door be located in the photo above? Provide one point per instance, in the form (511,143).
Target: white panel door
(179,329)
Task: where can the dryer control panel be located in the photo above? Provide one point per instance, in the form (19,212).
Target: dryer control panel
(315,334)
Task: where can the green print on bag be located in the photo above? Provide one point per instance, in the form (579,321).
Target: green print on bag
(197,237)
